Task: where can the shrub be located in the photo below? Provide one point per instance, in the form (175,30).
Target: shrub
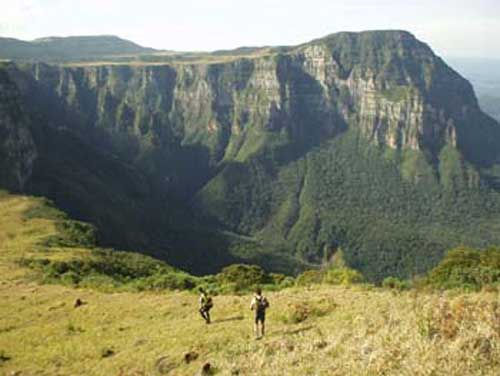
(170,281)
(310,277)
(395,283)
(343,276)
(242,277)
(70,278)
(75,233)
(105,269)
(287,282)
(467,268)
(72,234)
(277,278)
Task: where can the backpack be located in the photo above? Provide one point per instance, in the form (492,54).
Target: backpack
(209,303)
(262,303)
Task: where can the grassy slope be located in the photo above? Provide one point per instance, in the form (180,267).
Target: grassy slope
(350,331)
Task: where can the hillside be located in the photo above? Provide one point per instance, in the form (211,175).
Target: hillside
(366,142)
(484,74)
(59,49)
(353,330)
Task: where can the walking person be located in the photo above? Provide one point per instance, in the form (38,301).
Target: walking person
(259,304)
(206,304)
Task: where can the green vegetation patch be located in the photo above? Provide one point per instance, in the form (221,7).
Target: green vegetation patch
(333,276)
(467,268)
(44,209)
(343,276)
(394,283)
(241,278)
(397,93)
(108,268)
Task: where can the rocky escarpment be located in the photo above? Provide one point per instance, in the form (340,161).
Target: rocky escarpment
(387,85)
(17,149)
(303,149)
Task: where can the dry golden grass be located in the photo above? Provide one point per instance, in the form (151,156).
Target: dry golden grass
(344,331)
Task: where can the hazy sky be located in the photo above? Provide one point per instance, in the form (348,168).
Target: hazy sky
(451,27)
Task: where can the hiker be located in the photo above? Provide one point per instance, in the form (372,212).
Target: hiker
(259,305)
(205,305)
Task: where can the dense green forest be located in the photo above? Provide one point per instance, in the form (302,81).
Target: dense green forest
(351,195)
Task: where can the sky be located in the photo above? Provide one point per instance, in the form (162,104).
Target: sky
(454,28)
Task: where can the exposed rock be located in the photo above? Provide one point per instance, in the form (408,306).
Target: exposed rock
(320,344)
(190,356)
(206,370)
(107,352)
(3,357)
(216,104)
(78,303)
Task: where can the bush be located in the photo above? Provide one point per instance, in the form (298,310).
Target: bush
(343,276)
(310,277)
(466,268)
(75,233)
(277,278)
(287,282)
(395,284)
(70,278)
(242,277)
(105,268)
(170,281)
(72,234)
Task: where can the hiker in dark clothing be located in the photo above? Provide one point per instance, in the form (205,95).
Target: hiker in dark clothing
(259,305)
(205,305)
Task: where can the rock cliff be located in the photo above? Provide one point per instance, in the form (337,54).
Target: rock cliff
(17,149)
(388,85)
(254,144)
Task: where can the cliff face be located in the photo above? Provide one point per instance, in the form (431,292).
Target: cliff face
(17,149)
(387,85)
(291,146)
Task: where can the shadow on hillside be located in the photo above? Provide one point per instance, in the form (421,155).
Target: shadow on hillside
(235,318)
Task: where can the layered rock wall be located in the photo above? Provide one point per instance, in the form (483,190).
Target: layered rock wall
(308,93)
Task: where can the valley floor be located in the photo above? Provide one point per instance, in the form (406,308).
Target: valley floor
(359,330)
